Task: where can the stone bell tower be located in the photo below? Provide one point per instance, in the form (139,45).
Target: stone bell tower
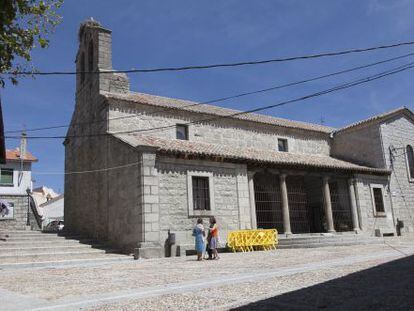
(94,61)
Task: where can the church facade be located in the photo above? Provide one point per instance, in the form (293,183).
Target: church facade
(139,166)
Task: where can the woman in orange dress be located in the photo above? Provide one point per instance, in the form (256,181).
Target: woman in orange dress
(214,237)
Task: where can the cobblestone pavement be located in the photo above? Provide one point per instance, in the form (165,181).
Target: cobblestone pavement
(282,279)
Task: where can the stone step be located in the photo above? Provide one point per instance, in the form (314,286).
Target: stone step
(68,262)
(326,244)
(40,238)
(25,244)
(57,256)
(19,232)
(46,250)
(301,240)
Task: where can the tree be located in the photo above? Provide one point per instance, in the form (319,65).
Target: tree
(24,25)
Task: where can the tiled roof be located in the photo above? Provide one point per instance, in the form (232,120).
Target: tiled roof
(173,146)
(377,117)
(180,104)
(14,155)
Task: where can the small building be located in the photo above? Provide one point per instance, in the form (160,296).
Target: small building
(15,187)
(152,165)
(52,210)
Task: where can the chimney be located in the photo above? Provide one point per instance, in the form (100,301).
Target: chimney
(23,146)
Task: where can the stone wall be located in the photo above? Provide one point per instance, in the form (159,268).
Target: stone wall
(360,145)
(222,131)
(368,220)
(19,220)
(231,197)
(397,133)
(123,205)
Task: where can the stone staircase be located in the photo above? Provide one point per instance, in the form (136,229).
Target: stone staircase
(325,239)
(34,248)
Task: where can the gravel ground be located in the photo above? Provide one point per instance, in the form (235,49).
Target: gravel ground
(233,281)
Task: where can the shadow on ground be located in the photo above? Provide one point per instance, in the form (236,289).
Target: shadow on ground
(389,286)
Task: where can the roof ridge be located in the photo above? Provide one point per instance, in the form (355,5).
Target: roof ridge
(374,118)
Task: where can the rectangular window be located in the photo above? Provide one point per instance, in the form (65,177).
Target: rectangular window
(201,193)
(378,200)
(282,145)
(6,177)
(182,131)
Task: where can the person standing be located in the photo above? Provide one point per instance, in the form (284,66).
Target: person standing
(209,250)
(199,234)
(213,244)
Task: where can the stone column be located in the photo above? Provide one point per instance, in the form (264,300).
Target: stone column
(149,209)
(285,204)
(354,212)
(328,204)
(253,220)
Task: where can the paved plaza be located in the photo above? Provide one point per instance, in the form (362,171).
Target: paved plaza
(348,277)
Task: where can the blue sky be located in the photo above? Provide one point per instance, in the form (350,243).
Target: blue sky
(154,33)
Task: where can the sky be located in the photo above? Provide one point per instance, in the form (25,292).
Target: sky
(152,33)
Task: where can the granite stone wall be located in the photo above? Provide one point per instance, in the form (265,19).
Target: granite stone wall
(222,131)
(19,220)
(369,220)
(360,145)
(231,197)
(396,134)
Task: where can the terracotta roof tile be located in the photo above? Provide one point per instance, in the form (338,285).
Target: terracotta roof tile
(14,155)
(247,154)
(180,104)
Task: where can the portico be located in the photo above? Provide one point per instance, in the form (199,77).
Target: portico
(294,201)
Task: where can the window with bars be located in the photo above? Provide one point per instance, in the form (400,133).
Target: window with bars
(6,177)
(282,144)
(201,193)
(378,200)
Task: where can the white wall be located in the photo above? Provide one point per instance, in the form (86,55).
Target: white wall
(18,188)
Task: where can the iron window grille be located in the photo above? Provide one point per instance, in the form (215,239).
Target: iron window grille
(201,193)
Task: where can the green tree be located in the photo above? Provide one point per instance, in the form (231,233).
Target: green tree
(24,25)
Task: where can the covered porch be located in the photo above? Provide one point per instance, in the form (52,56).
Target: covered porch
(300,202)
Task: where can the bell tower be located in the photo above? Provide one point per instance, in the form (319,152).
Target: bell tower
(94,58)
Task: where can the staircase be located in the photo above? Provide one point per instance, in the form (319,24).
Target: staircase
(36,249)
(324,239)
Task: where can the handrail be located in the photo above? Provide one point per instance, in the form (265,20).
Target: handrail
(35,212)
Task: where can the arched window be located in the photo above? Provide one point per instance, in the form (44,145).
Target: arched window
(90,56)
(82,67)
(410,161)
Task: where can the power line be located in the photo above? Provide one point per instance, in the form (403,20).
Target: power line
(210,66)
(317,94)
(227,97)
(87,171)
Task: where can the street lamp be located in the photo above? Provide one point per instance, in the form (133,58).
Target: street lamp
(28,206)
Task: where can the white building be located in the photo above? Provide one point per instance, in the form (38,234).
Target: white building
(15,184)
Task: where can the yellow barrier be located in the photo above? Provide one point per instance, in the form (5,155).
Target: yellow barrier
(250,240)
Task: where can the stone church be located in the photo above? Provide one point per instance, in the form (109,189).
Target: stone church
(139,166)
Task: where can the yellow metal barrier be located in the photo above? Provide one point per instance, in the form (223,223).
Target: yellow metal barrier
(250,240)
